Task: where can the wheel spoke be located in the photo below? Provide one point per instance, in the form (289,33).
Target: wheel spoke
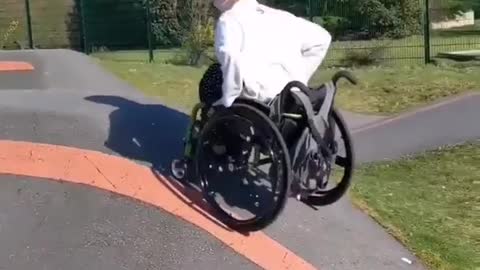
(261,162)
(341,161)
(264,161)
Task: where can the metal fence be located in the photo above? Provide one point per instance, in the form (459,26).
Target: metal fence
(416,33)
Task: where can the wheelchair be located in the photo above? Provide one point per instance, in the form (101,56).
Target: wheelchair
(292,141)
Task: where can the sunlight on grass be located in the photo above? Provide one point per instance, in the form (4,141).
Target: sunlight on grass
(176,86)
(388,90)
(431,203)
(382,90)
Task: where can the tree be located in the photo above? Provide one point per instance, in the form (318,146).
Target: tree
(389,18)
(165,22)
(200,30)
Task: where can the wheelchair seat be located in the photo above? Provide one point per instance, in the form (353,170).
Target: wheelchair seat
(290,128)
(317,96)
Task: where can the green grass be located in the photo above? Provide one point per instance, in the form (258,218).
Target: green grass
(431,203)
(174,85)
(160,56)
(383,90)
(394,89)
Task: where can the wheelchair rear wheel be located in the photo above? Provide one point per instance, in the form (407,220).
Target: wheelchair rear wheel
(234,151)
(346,161)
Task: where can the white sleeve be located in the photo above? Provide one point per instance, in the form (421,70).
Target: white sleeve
(228,46)
(315,43)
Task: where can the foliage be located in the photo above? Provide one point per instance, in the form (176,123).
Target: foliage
(199,40)
(298,7)
(334,24)
(166,25)
(378,18)
(199,35)
(12,27)
(368,56)
(362,57)
(391,18)
(185,23)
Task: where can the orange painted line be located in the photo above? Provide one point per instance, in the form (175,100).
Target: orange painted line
(15,66)
(125,177)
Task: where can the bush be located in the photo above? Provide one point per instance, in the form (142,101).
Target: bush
(198,41)
(199,33)
(378,18)
(194,51)
(166,26)
(363,57)
(391,18)
(334,24)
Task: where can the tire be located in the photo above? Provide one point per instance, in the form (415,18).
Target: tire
(335,194)
(281,184)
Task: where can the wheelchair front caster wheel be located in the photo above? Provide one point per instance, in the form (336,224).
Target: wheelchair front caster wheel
(179,169)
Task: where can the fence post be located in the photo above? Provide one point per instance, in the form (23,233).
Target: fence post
(78,4)
(310,14)
(426,33)
(149,32)
(81,11)
(29,23)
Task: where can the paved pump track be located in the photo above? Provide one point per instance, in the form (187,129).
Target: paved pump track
(77,148)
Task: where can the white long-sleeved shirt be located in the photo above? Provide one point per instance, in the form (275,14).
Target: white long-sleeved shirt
(261,49)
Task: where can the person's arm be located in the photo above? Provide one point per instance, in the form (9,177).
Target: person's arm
(228,46)
(315,43)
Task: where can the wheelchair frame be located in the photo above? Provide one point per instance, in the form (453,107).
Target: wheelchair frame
(193,136)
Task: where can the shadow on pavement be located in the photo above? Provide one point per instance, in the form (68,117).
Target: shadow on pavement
(152,133)
(145,132)
(190,197)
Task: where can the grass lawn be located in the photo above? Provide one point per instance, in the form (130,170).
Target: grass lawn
(383,90)
(176,86)
(394,89)
(431,203)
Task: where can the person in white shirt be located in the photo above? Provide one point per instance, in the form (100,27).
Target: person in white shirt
(260,49)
